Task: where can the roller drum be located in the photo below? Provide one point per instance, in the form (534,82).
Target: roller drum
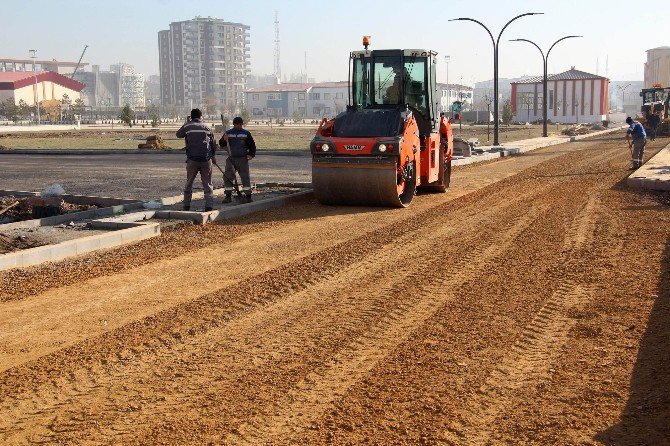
(358,181)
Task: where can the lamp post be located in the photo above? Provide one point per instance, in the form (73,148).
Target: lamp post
(33,56)
(446,60)
(545,58)
(623,96)
(496,44)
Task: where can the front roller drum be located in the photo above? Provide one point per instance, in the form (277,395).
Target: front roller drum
(362,182)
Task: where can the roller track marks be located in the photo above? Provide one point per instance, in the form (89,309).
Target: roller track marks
(58,397)
(320,388)
(530,359)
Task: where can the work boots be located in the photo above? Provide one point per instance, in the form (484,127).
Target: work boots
(228,199)
(247,198)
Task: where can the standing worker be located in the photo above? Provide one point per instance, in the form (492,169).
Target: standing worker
(654,120)
(639,141)
(200,154)
(241,150)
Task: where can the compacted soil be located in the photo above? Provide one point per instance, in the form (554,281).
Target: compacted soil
(528,305)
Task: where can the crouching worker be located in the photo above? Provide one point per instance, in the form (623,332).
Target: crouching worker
(241,149)
(200,154)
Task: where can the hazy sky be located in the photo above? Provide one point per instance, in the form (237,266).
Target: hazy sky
(126,31)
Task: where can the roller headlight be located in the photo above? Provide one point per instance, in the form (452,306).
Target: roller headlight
(325,147)
(382,147)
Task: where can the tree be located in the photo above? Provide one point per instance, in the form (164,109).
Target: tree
(527,101)
(66,102)
(23,109)
(507,113)
(127,115)
(297,115)
(244,114)
(9,109)
(210,105)
(154,115)
(78,107)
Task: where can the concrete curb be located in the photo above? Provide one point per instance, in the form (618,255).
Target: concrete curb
(652,175)
(202,218)
(114,206)
(35,256)
(475,159)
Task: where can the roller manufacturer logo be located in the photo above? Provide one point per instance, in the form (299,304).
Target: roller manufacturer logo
(353,147)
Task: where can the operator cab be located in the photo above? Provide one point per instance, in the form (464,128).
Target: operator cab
(396,80)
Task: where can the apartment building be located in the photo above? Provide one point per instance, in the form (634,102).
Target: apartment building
(204,61)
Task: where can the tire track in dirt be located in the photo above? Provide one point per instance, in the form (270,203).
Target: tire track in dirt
(530,358)
(75,383)
(180,345)
(316,392)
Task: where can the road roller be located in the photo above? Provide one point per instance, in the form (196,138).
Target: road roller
(391,142)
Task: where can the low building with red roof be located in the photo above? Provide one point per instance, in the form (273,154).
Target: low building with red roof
(573,96)
(50,85)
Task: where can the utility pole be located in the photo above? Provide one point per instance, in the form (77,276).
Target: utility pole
(33,56)
(623,95)
(488,100)
(277,52)
(446,60)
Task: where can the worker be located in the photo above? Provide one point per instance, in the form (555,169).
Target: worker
(637,140)
(654,120)
(392,95)
(241,149)
(200,154)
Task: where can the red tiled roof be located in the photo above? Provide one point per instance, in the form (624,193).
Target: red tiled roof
(569,75)
(18,79)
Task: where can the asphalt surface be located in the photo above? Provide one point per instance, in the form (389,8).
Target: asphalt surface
(141,176)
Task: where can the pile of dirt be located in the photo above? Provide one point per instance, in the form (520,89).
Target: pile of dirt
(154,142)
(578,129)
(27,208)
(11,244)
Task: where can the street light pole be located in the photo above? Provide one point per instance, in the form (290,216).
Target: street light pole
(544,77)
(33,56)
(446,60)
(623,96)
(496,44)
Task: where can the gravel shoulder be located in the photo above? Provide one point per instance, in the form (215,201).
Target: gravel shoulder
(528,305)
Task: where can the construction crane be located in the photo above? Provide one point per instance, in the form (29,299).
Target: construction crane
(391,141)
(78,62)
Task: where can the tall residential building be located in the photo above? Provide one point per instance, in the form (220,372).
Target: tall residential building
(204,62)
(131,85)
(657,67)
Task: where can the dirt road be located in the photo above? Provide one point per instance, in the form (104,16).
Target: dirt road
(529,305)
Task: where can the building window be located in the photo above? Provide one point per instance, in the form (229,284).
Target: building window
(301,96)
(339,95)
(254,96)
(315,96)
(550,102)
(326,96)
(316,110)
(274,96)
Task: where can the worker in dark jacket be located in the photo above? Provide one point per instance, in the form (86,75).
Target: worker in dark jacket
(241,149)
(639,141)
(200,154)
(654,120)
